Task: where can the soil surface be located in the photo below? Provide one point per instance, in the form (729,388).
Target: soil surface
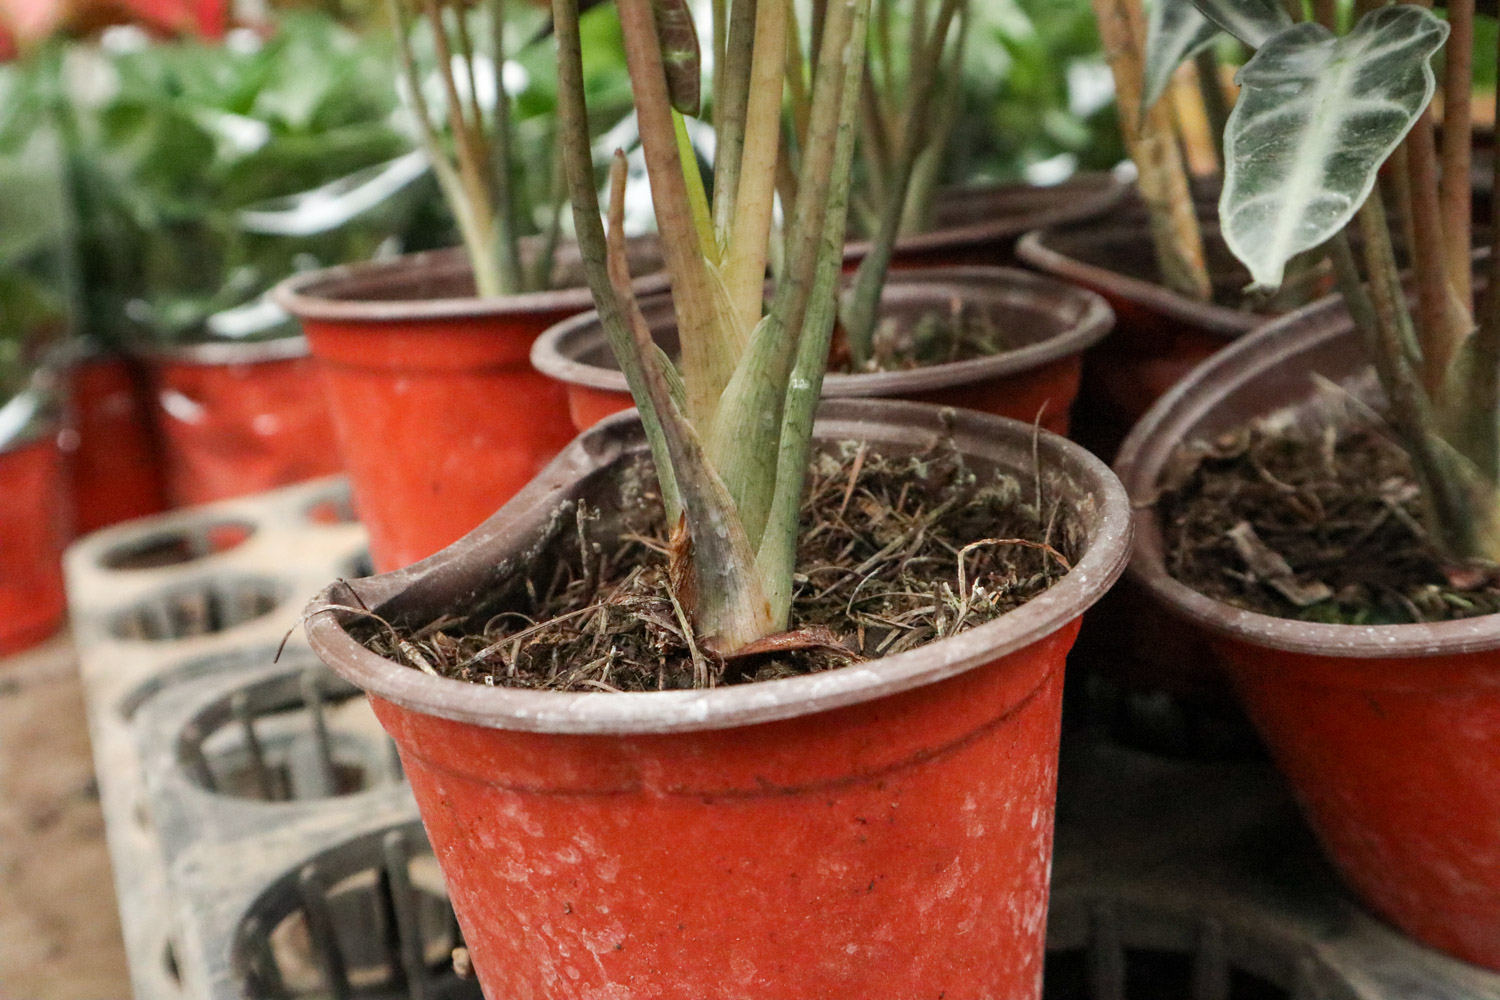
(934,339)
(1313,526)
(893,553)
(59,929)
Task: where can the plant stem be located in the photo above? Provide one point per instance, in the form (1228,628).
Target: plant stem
(709,351)
(507,238)
(1161,179)
(754,205)
(1440,337)
(862,307)
(1215,106)
(1458,57)
(578,155)
(777,553)
(731,103)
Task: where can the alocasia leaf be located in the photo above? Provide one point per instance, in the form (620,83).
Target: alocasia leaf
(1176,32)
(1253,22)
(1317,116)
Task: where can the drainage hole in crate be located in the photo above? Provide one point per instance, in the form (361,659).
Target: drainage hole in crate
(203,608)
(383,930)
(177,546)
(298,736)
(360,566)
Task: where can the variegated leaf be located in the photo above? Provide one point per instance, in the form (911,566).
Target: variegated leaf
(1251,21)
(1317,116)
(1175,32)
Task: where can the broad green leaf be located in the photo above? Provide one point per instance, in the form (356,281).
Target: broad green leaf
(1317,116)
(1253,22)
(1176,32)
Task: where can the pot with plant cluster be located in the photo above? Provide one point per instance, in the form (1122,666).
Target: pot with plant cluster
(34,526)
(439,416)
(1021,349)
(877,829)
(1389,733)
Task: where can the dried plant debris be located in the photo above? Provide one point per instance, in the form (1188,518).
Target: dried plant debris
(1313,523)
(894,553)
(963,333)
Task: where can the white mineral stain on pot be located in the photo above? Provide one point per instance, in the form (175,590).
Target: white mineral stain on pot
(265,424)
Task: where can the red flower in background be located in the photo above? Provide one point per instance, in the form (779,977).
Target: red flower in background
(25,22)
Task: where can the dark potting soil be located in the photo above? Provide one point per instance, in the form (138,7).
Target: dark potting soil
(936,338)
(894,553)
(1313,526)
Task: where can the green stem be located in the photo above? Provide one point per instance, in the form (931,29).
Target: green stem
(507,232)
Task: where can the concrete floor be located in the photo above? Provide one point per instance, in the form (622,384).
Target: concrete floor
(59,928)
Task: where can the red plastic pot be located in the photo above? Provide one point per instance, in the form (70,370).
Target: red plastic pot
(1390,735)
(440,416)
(1036,380)
(238,418)
(980,225)
(883,830)
(114,465)
(34,530)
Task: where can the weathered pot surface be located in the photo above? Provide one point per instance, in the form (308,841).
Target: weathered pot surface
(1055,322)
(826,835)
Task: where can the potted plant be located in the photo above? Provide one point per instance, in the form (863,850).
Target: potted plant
(35,290)
(1366,659)
(984,338)
(847,832)
(171,144)
(438,414)
(1178,293)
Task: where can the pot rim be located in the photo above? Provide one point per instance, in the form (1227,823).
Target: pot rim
(1097,191)
(1167,424)
(1219,321)
(224,352)
(1094,324)
(332,295)
(736,705)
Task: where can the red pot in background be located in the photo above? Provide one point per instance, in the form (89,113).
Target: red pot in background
(878,831)
(1037,379)
(1390,735)
(238,418)
(440,416)
(114,462)
(980,225)
(1159,336)
(34,530)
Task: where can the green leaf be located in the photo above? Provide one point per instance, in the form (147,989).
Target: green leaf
(1175,33)
(1317,116)
(1253,22)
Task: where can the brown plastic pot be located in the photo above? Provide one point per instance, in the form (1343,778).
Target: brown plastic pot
(114,462)
(1159,336)
(238,418)
(1039,379)
(883,830)
(440,416)
(980,225)
(34,530)
(1390,735)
